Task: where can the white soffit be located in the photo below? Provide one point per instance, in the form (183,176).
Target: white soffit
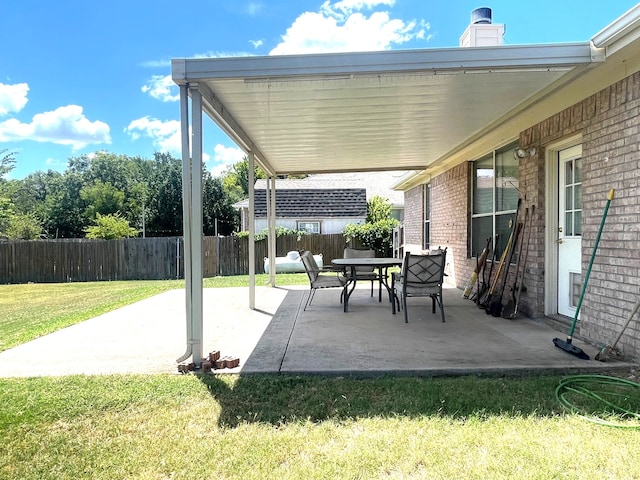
(387,110)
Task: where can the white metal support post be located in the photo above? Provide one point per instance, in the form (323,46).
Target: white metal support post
(252,233)
(271,238)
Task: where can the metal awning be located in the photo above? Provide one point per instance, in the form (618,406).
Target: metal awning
(372,110)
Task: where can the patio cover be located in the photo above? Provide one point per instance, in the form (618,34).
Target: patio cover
(404,110)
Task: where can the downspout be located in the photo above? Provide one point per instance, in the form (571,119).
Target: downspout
(186,211)
(196,222)
(192,212)
(252,233)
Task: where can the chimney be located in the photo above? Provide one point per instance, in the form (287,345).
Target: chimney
(481,32)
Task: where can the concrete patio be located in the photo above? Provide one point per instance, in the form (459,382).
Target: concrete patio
(278,337)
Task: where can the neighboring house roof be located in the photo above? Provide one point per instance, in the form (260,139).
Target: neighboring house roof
(375,183)
(315,203)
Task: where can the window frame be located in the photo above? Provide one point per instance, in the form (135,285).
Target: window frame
(500,192)
(426,232)
(309,222)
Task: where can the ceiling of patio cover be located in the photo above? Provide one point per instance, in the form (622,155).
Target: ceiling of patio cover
(386,110)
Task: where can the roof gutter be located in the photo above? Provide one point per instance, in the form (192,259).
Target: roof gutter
(620,33)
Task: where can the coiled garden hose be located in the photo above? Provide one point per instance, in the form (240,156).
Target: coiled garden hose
(601,399)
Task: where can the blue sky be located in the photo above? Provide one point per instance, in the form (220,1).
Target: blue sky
(80,76)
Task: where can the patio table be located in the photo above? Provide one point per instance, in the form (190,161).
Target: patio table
(382,264)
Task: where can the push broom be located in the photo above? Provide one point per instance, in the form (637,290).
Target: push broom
(566,345)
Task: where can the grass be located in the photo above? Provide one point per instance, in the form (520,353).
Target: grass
(277,426)
(32,310)
(311,427)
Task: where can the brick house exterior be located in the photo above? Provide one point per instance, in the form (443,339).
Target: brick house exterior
(607,126)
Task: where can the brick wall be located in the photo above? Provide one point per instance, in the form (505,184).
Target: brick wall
(449,225)
(610,125)
(414,216)
(449,213)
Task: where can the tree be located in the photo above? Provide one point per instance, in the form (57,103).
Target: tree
(110,227)
(6,213)
(219,215)
(236,179)
(164,203)
(24,226)
(377,232)
(378,208)
(65,204)
(7,163)
(102,198)
(65,208)
(125,174)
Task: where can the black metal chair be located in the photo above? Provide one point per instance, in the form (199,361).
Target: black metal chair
(421,276)
(319,278)
(363,273)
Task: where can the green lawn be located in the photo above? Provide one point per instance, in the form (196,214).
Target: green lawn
(307,427)
(284,427)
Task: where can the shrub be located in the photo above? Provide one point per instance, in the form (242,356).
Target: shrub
(280,231)
(110,227)
(378,235)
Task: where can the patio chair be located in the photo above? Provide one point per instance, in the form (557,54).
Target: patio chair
(320,278)
(364,273)
(421,276)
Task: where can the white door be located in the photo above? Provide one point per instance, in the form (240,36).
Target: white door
(569,229)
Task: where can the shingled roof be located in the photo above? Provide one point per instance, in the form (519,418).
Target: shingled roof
(375,183)
(314,203)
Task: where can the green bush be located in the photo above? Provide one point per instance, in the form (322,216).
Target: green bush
(110,227)
(377,232)
(280,231)
(378,235)
(24,227)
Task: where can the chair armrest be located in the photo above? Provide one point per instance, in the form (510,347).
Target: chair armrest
(332,268)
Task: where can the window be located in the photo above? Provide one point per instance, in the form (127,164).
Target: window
(494,198)
(309,227)
(573,197)
(427,216)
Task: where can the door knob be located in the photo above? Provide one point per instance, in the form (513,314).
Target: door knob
(559,240)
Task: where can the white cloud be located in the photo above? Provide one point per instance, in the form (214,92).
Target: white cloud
(225,156)
(254,8)
(157,63)
(341,27)
(162,88)
(13,98)
(347,7)
(257,43)
(55,163)
(164,135)
(63,126)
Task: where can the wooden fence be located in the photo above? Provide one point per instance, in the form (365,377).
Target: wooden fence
(158,258)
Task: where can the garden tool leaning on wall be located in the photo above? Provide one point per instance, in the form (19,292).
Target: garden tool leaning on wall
(567,344)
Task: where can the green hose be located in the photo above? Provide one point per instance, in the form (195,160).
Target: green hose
(587,395)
